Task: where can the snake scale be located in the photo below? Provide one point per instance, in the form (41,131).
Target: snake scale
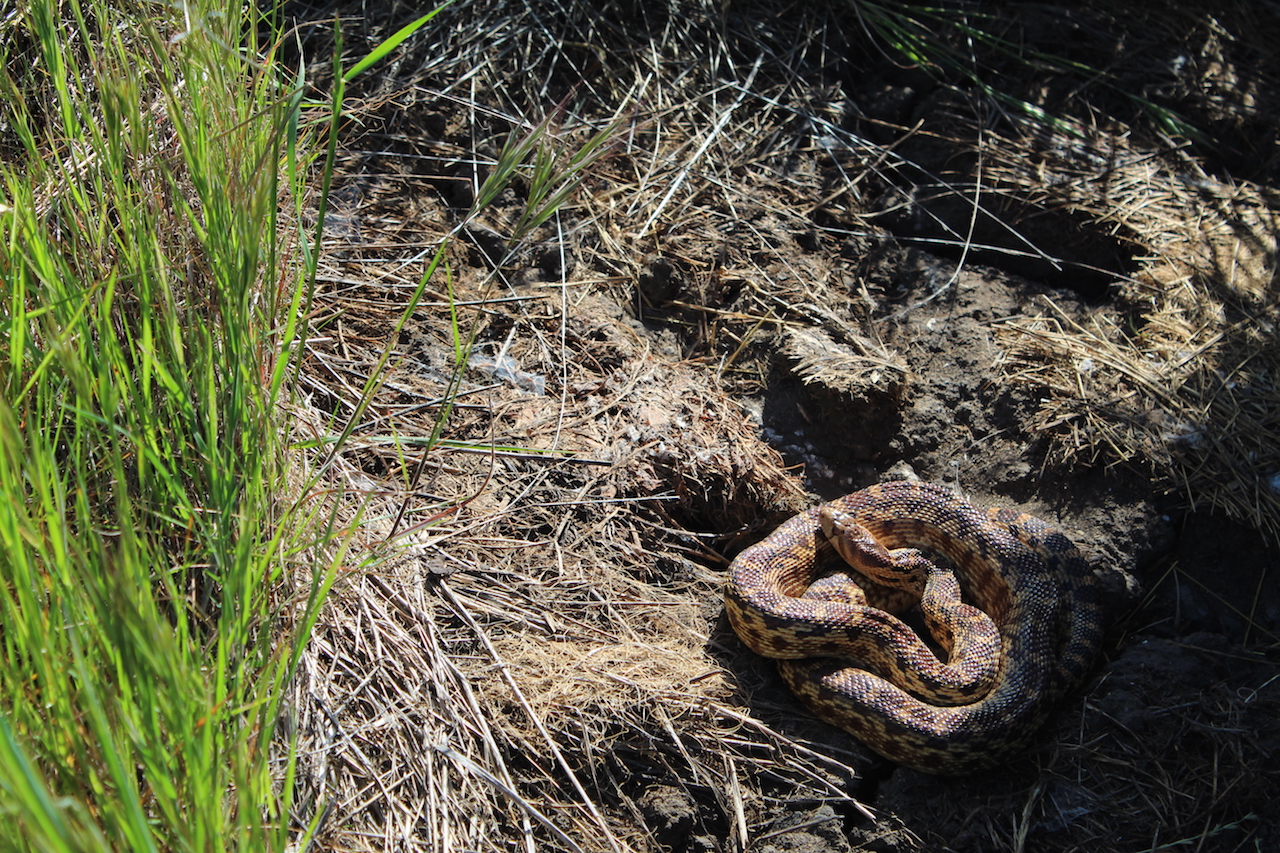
(1034,634)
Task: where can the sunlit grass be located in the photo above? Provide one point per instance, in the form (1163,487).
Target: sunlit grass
(145,558)
(154,309)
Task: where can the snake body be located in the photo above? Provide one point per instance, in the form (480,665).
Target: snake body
(858,666)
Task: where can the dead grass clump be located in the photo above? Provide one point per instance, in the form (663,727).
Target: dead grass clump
(553,614)
(1182,380)
(859,369)
(1179,376)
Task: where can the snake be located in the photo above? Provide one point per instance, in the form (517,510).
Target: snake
(1012,607)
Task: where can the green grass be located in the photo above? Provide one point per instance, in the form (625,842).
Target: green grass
(149,301)
(158,576)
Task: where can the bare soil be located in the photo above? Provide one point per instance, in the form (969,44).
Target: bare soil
(661,375)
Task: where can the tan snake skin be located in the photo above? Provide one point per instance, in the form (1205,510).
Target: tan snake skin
(791,597)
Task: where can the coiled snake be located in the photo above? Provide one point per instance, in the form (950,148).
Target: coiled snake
(858,666)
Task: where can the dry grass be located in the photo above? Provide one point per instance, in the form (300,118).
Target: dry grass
(1178,374)
(1156,763)
(1182,379)
(544,666)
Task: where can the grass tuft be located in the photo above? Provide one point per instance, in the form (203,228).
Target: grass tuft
(147,323)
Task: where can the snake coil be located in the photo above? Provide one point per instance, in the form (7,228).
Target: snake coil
(1024,574)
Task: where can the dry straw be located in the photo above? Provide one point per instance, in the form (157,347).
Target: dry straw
(545,666)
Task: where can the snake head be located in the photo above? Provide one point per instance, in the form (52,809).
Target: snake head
(900,568)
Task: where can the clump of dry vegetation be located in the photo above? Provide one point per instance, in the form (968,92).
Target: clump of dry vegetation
(1177,375)
(555,465)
